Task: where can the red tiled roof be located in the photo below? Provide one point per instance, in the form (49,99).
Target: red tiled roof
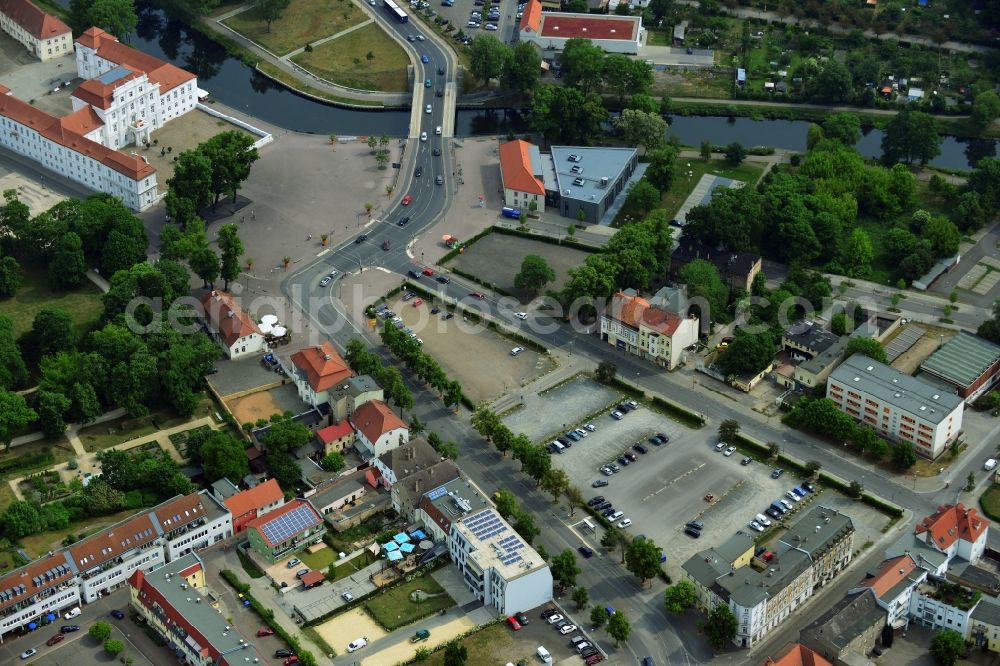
(52,129)
(323,366)
(39,24)
(313,577)
(82,121)
(950,523)
(158,71)
(890,574)
(29,574)
(515,165)
(258,497)
(111,543)
(259,522)
(633,310)
(532,16)
(227,317)
(798,655)
(565,26)
(101,95)
(374,418)
(336,431)
(178,512)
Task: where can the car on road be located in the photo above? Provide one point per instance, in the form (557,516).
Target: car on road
(265,631)
(442,279)
(600,483)
(721,446)
(477,295)
(521,315)
(585,551)
(418,172)
(514,624)
(416,276)
(69,628)
(428,83)
(428,272)
(777,472)
(425,59)
(729,451)
(357,644)
(403,221)
(648,661)
(347,596)
(334,273)
(568,629)
(29,653)
(55,639)
(407,200)
(117,614)
(439,180)
(411,38)
(746,461)
(436,152)
(423,136)
(441,71)
(428,109)
(325,281)
(617,416)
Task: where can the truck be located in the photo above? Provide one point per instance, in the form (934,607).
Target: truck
(421,635)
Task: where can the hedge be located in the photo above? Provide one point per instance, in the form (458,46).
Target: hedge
(671,409)
(480,281)
(463,244)
(25,461)
(306,658)
(571,242)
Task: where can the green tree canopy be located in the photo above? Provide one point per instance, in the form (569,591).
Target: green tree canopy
(680,597)
(985,108)
(619,628)
(522,69)
(720,627)
(582,65)
(910,136)
(68,267)
(535,273)
(842,127)
(565,568)
(487,57)
(642,558)
(640,128)
(270,10)
(869,347)
(704,282)
(748,353)
(947,646)
(223,455)
(231,248)
(286,435)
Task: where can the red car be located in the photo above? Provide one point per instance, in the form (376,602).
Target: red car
(477,295)
(266,631)
(428,272)
(55,639)
(291,660)
(406,200)
(514,624)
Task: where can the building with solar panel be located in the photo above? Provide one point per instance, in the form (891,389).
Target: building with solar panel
(498,567)
(285,531)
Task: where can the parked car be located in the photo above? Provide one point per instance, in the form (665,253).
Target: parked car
(552,619)
(29,653)
(347,596)
(729,451)
(754,525)
(55,639)
(572,435)
(283,652)
(721,446)
(616,415)
(773,513)
(548,612)
(594,501)
(69,628)
(514,624)
(613,467)
(631,456)
(696,524)
(606,471)
(640,448)
(581,432)
(632,404)
(265,631)
(357,644)
(810,487)
(692,532)
(624,461)
(610,511)
(599,483)
(763,520)
(626,522)
(117,614)
(777,472)
(568,629)
(522,618)
(746,461)
(590,426)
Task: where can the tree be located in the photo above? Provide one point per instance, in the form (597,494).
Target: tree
(903,456)
(582,64)
(619,628)
(858,253)
(555,482)
(116,16)
(642,196)
(627,76)
(535,273)
(113,646)
(720,627)
(455,654)
(748,353)
(286,435)
(580,597)
(841,324)
(706,150)
(640,128)
(832,83)
(662,167)
(943,236)
(565,115)
(51,408)
(537,463)
(231,248)
(52,331)
(487,57)
(205,265)
(124,248)
(68,267)
(703,282)
(606,371)
(506,503)
(985,108)
(13,371)
(522,69)
(11,277)
(223,456)
(100,630)
(642,558)
(524,524)
(735,153)
(598,616)
(333,462)
(611,538)
(842,127)
(728,430)
(910,136)
(231,155)
(565,569)
(680,597)
(869,347)
(21,519)
(643,102)
(947,646)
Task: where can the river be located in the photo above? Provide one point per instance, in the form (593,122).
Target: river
(240,87)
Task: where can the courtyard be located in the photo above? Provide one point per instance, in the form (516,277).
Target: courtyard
(262,404)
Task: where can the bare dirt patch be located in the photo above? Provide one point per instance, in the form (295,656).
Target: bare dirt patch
(262,405)
(344,628)
(497,259)
(478,358)
(910,360)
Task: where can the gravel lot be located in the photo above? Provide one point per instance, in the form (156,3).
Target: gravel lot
(573,401)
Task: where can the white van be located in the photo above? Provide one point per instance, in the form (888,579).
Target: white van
(589,525)
(71,613)
(544,655)
(990,464)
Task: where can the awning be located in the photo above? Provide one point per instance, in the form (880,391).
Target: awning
(395,556)
(402,537)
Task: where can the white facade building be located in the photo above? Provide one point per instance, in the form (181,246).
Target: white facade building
(192,522)
(498,567)
(231,326)
(27,594)
(45,36)
(378,429)
(896,405)
(551,30)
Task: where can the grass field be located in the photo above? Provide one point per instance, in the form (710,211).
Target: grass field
(485,646)
(393,609)
(84,304)
(98,437)
(990,502)
(303,22)
(345,61)
(37,544)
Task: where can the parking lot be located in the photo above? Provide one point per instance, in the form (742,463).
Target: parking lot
(572,403)
(460,12)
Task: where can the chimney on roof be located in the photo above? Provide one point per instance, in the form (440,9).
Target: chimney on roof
(231,314)
(327,357)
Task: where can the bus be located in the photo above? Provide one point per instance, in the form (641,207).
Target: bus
(394,10)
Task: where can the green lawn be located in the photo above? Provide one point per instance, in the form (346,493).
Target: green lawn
(37,544)
(303,22)
(393,609)
(346,61)
(489,645)
(321,559)
(84,304)
(112,433)
(990,502)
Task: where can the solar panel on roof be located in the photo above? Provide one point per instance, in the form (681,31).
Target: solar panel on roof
(286,526)
(437,493)
(113,75)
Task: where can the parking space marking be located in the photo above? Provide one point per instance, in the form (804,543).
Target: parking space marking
(673,481)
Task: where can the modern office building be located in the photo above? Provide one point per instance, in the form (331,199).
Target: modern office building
(231,326)
(44,35)
(635,326)
(896,405)
(285,531)
(549,31)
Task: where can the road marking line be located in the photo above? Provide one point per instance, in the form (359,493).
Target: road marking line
(323,252)
(672,482)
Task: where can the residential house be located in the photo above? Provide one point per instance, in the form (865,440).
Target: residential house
(938,604)
(402,461)
(192,522)
(892,587)
(356,391)
(737,269)
(336,438)
(45,36)
(315,370)
(521,174)
(797,655)
(984,625)
(955,530)
(285,531)
(409,493)
(633,325)
(29,593)
(107,559)
(341,492)
(847,632)
(807,339)
(230,326)
(378,429)
(247,505)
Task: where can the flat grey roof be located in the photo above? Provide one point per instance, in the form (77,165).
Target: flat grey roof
(748,587)
(811,335)
(734,546)
(963,359)
(596,163)
(339,488)
(820,361)
(892,387)
(457,499)
(706,567)
(817,530)
(987,611)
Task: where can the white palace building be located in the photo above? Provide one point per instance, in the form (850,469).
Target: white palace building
(126,95)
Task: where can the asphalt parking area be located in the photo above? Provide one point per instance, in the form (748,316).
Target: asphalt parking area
(573,402)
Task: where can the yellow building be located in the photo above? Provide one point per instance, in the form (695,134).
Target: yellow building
(984,625)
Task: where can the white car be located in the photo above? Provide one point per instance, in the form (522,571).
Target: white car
(423,136)
(553,619)
(568,629)
(627,522)
(591,427)
(730,451)
(581,432)
(763,520)
(617,416)
(521,315)
(29,653)
(428,109)
(490,26)
(754,525)
(357,644)
(721,446)
(792,496)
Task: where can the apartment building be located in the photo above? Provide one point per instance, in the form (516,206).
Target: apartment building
(247,505)
(351,394)
(231,326)
(285,531)
(896,405)
(316,370)
(192,522)
(45,36)
(826,537)
(30,593)
(635,326)
(847,632)
(892,587)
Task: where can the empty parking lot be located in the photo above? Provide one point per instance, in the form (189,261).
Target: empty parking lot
(567,405)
